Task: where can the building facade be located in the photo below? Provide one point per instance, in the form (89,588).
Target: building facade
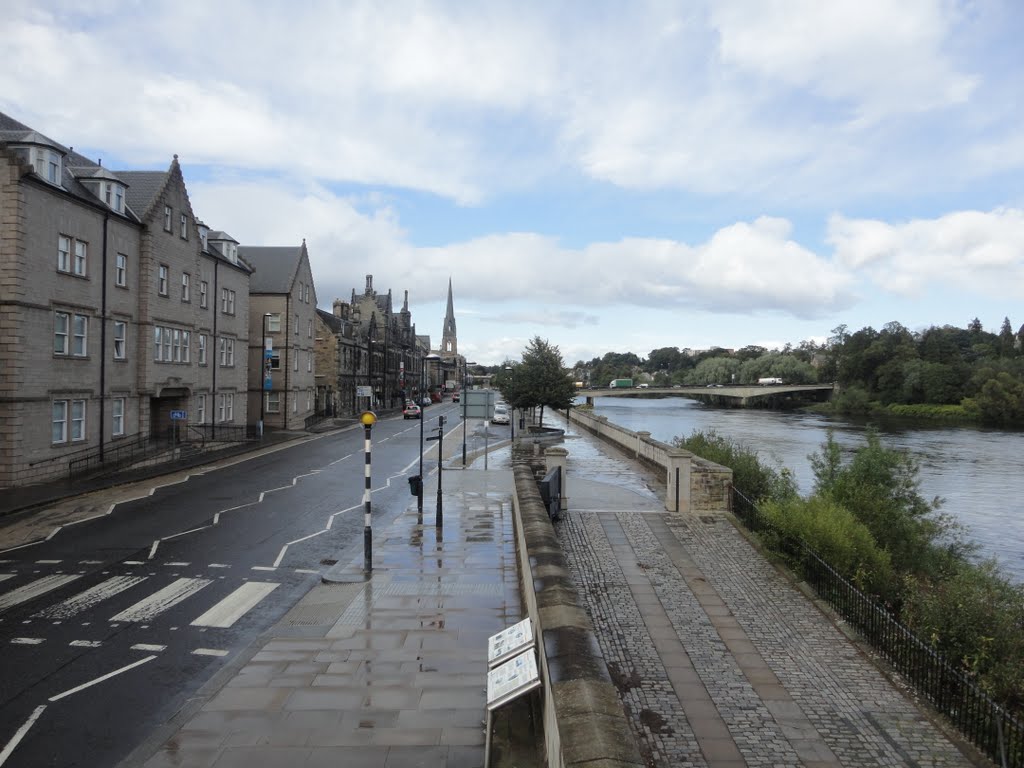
(281,354)
(99,314)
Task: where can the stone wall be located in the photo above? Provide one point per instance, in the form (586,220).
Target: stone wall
(584,724)
(710,486)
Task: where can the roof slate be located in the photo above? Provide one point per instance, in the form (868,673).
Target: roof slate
(274,267)
(143,188)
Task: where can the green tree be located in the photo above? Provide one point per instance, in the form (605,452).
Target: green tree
(540,380)
(713,370)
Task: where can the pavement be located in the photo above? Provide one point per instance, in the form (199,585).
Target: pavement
(719,658)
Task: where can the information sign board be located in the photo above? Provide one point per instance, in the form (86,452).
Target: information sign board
(179,415)
(511,679)
(364,391)
(509,642)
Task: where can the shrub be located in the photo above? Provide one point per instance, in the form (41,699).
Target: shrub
(749,474)
(836,536)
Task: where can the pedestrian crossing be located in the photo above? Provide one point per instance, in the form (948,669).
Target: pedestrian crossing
(124,599)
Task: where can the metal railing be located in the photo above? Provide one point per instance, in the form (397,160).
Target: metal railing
(316,418)
(986,724)
(112,456)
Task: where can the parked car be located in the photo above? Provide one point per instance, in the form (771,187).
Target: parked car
(455,397)
(500,415)
(412,411)
(426,401)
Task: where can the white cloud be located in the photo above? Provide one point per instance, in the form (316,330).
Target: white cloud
(976,252)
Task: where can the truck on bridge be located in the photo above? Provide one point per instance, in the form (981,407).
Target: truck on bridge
(770,380)
(620,384)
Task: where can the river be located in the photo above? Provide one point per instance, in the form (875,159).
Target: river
(976,472)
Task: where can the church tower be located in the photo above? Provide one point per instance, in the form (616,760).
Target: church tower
(449,340)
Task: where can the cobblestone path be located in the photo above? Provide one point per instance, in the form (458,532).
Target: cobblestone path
(718,659)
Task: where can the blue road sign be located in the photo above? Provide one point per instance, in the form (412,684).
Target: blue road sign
(179,415)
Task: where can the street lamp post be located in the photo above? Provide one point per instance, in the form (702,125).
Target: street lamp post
(512,416)
(423,368)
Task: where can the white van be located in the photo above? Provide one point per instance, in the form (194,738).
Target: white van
(500,414)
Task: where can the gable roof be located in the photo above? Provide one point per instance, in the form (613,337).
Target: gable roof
(331,320)
(274,267)
(144,187)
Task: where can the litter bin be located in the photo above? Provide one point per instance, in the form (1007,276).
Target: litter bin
(415,485)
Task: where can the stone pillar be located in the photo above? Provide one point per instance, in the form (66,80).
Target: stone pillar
(640,437)
(677,497)
(558,457)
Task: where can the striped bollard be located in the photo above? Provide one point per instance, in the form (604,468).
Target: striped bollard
(368,419)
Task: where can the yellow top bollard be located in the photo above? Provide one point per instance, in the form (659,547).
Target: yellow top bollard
(368,418)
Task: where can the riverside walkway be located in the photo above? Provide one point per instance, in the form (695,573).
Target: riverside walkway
(719,660)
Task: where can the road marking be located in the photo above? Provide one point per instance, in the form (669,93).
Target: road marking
(160,601)
(107,676)
(85,643)
(263,568)
(148,647)
(178,565)
(17,737)
(26,640)
(89,562)
(35,589)
(90,597)
(134,562)
(208,652)
(306,570)
(48,562)
(219,565)
(5,576)
(237,604)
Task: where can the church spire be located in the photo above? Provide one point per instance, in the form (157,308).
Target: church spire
(449,340)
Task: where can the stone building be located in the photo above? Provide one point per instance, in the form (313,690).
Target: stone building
(282,300)
(105,311)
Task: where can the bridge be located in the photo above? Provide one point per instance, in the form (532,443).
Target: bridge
(729,395)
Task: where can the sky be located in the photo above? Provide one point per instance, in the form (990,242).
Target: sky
(608,176)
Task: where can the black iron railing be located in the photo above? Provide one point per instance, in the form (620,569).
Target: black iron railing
(982,721)
(113,456)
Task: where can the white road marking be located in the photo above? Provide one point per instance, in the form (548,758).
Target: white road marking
(35,589)
(134,562)
(20,734)
(85,643)
(263,568)
(160,601)
(148,647)
(107,676)
(219,565)
(90,597)
(208,652)
(179,565)
(48,562)
(89,562)
(26,640)
(5,576)
(237,604)
(306,570)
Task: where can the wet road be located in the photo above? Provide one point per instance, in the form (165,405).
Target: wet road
(109,626)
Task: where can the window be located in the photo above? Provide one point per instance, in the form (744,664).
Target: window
(274,323)
(113,196)
(302,291)
(47,165)
(309,399)
(77,420)
(273,402)
(295,359)
(167,218)
(309,329)
(161,282)
(203,288)
(186,288)
(121,271)
(202,350)
(200,409)
(120,340)
(275,361)
(176,345)
(60,421)
(186,347)
(225,407)
(78,266)
(309,362)
(117,416)
(63,253)
(79,338)
(227,352)
(227,301)
(119,198)
(68,419)
(61,327)
(295,327)
(295,402)
(183,230)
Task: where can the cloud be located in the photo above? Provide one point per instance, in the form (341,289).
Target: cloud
(972,251)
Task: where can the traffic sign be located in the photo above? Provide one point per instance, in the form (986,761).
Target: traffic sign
(179,415)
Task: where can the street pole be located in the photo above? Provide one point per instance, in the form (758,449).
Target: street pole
(439,517)
(419,398)
(368,419)
(463,398)
(267,382)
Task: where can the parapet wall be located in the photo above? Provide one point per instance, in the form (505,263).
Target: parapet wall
(584,724)
(710,484)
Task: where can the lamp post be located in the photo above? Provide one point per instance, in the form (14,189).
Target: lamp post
(423,368)
(368,419)
(267,382)
(512,416)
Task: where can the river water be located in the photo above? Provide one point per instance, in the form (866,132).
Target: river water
(976,472)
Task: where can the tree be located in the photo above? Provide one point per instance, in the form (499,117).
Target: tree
(541,379)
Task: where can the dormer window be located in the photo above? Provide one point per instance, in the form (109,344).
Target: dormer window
(47,164)
(113,195)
